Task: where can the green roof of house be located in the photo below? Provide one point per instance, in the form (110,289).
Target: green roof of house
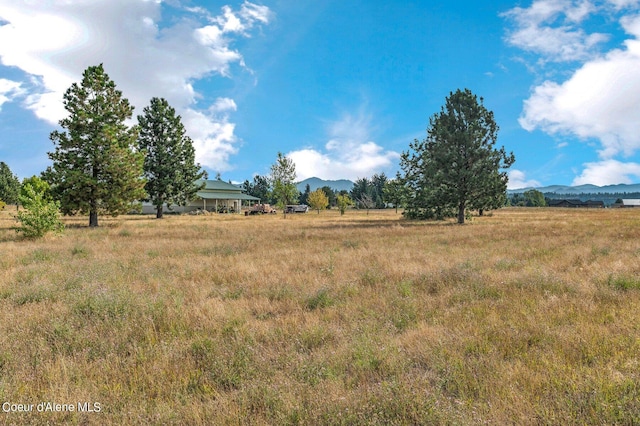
(219,185)
(223,195)
(220,190)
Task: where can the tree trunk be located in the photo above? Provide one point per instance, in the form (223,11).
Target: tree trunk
(159,213)
(93,219)
(461,213)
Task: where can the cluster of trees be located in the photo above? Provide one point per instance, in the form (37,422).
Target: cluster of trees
(369,193)
(101,165)
(277,188)
(455,170)
(530,198)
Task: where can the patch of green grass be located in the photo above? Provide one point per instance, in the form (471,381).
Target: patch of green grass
(404,314)
(33,295)
(314,372)
(624,282)
(105,306)
(321,299)
(36,256)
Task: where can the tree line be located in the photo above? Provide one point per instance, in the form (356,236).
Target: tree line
(101,165)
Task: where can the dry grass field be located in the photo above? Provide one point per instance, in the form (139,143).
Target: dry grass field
(527,316)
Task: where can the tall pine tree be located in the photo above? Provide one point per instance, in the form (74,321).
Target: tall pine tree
(95,166)
(9,185)
(169,163)
(458,166)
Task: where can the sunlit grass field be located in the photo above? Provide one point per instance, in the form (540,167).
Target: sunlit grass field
(525,316)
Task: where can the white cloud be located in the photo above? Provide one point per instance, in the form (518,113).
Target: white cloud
(349,153)
(551,28)
(518,180)
(600,100)
(608,172)
(9,90)
(54,41)
(213,138)
(621,4)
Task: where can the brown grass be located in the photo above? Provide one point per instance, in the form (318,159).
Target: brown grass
(528,316)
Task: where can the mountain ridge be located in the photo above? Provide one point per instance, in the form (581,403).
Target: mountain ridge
(345,184)
(582,189)
(315,183)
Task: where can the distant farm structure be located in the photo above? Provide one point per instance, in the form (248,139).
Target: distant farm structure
(627,203)
(216,196)
(576,203)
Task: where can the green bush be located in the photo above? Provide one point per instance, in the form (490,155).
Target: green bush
(2,204)
(40,215)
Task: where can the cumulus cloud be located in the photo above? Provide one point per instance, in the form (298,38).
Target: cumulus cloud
(518,180)
(54,41)
(600,100)
(608,172)
(349,153)
(551,28)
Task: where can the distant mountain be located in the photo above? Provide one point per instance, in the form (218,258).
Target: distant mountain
(315,183)
(582,189)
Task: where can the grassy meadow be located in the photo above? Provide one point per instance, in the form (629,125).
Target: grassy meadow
(525,316)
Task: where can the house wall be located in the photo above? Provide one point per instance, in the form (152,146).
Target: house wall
(147,208)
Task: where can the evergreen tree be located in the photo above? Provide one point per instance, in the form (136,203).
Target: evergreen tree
(395,192)
(9,185)
(169,163)
(41,215)
(362,192)
(95,166)
(457,167)
(260,188)
(378,182)
(304,196)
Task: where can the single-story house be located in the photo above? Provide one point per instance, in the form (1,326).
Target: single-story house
(576,203)
(216,196)
(629,202)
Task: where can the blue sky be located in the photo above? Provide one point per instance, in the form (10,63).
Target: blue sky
(341,87)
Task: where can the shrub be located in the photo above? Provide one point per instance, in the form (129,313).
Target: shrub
(2,204)
(41,215)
